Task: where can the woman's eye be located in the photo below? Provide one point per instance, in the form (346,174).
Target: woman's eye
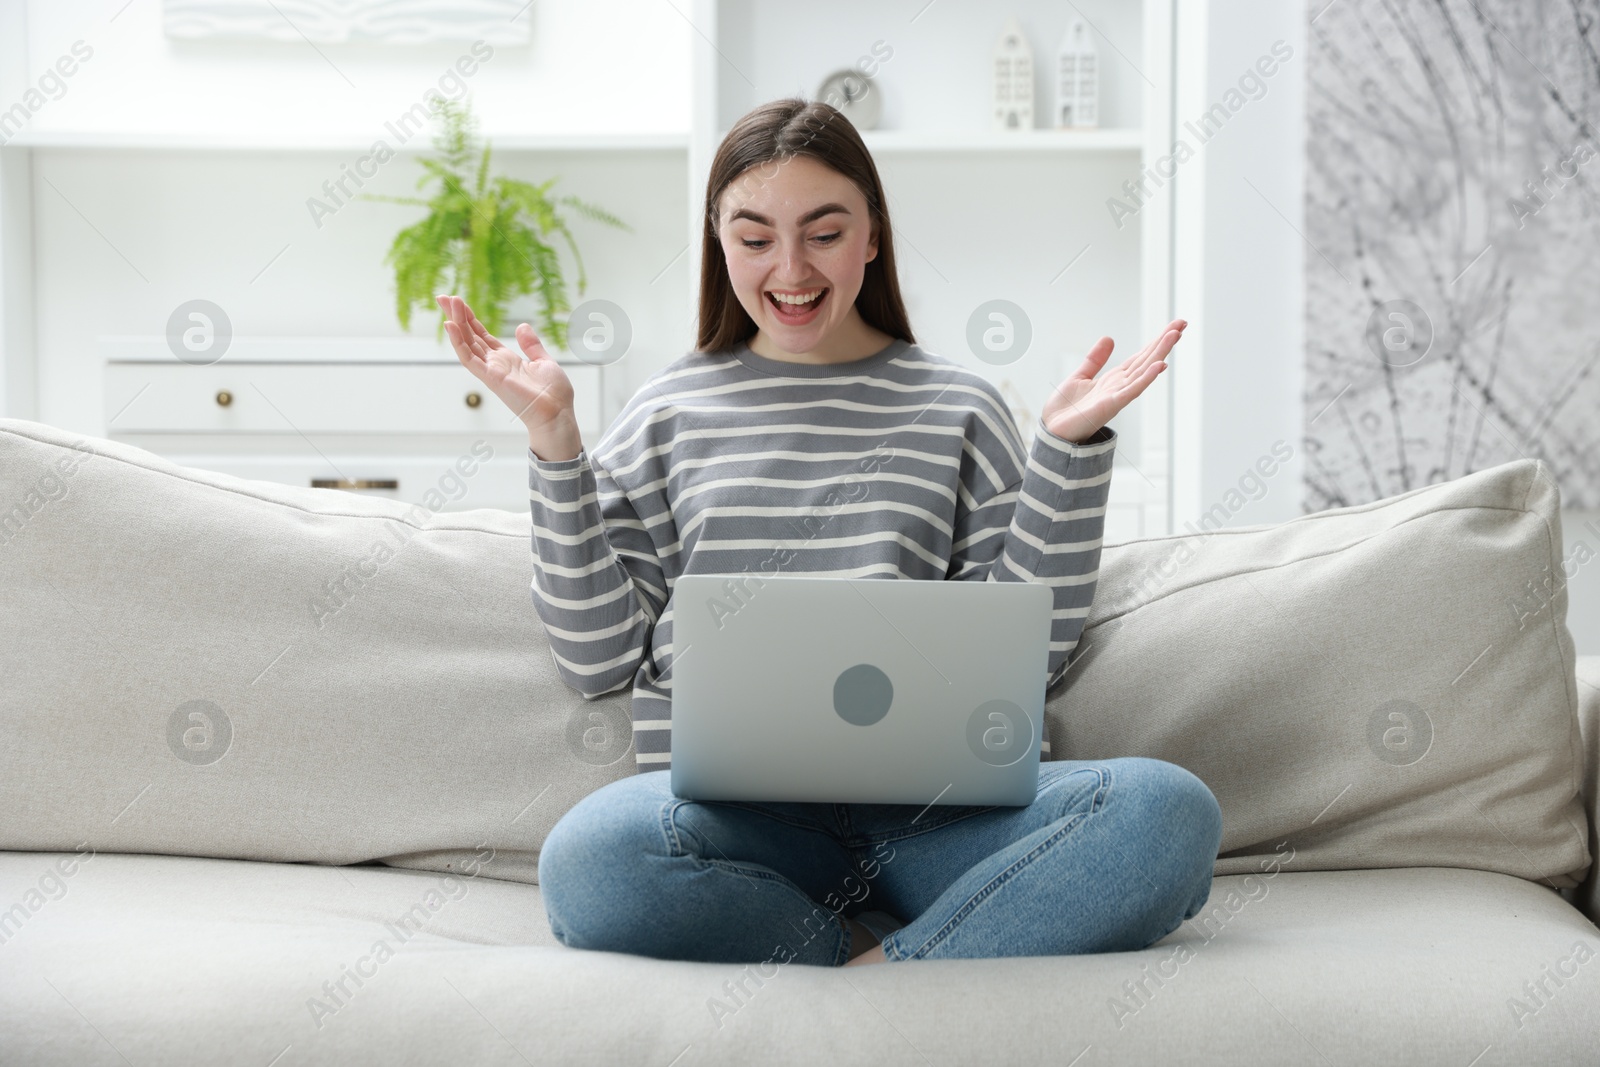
(825,238)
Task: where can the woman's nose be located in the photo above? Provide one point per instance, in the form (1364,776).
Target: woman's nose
(795,265)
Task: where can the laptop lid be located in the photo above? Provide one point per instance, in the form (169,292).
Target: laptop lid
(857,690)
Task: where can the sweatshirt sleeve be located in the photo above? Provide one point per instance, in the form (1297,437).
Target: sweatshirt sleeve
(598,583)
(1047,527)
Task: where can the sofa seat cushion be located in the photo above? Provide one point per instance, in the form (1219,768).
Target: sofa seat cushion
(181,960)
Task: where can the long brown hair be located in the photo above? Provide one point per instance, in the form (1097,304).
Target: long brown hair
(767,137)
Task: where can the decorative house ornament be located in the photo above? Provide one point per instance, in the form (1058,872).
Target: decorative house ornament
(1013,79)
(854,95)
(345,21)
(1077,78)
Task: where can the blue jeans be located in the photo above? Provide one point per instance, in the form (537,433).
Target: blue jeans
(1111,856)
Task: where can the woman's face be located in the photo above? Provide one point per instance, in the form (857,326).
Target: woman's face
(796,227)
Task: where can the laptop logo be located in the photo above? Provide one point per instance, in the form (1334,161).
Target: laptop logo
(999,733)
(862,694)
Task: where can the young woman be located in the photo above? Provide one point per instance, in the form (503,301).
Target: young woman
(807,380)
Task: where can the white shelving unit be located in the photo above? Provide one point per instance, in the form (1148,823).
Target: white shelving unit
(936,145)
(978,213)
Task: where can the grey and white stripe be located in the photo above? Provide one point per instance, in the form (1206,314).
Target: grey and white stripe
(901,465)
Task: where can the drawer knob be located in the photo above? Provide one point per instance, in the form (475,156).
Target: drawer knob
(474,399)
(224,398)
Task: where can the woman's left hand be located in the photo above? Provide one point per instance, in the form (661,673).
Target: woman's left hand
(1083,403)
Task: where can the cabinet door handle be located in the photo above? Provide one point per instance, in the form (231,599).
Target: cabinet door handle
(474,399)
(355,483)
(224,398)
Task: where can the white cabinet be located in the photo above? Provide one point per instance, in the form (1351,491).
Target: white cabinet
(385,416)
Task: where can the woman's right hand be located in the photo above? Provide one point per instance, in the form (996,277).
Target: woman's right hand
(536,389)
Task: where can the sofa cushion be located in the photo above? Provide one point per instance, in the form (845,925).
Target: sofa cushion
(180,961)
(1382,685)
(200,664)
(206,665)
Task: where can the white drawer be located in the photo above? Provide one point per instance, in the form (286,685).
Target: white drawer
(321,398)
(479,474)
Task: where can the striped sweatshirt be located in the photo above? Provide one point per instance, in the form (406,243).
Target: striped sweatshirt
(902,465)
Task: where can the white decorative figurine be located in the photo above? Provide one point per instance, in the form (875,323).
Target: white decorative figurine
(1013,79)
(1077,78)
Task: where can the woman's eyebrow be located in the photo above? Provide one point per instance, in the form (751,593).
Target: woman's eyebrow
(810,216)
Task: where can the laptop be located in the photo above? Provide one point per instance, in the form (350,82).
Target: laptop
(858,690)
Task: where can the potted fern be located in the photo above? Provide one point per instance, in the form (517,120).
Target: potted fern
(486,239)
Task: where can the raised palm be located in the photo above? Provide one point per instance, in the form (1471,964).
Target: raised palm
(1083,403)
(536,389)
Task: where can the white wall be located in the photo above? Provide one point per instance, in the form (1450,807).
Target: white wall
(17,388)
(1240,275)
(576,75)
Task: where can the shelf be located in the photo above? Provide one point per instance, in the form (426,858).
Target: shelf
(888,142)
(879,141)
(344,142)
(1087,140)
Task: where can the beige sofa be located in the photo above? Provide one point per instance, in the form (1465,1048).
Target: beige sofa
(278,762)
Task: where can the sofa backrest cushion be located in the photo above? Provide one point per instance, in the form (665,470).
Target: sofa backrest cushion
(201,664)
(1382,685)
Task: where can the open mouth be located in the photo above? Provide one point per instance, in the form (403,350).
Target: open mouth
(797,314)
